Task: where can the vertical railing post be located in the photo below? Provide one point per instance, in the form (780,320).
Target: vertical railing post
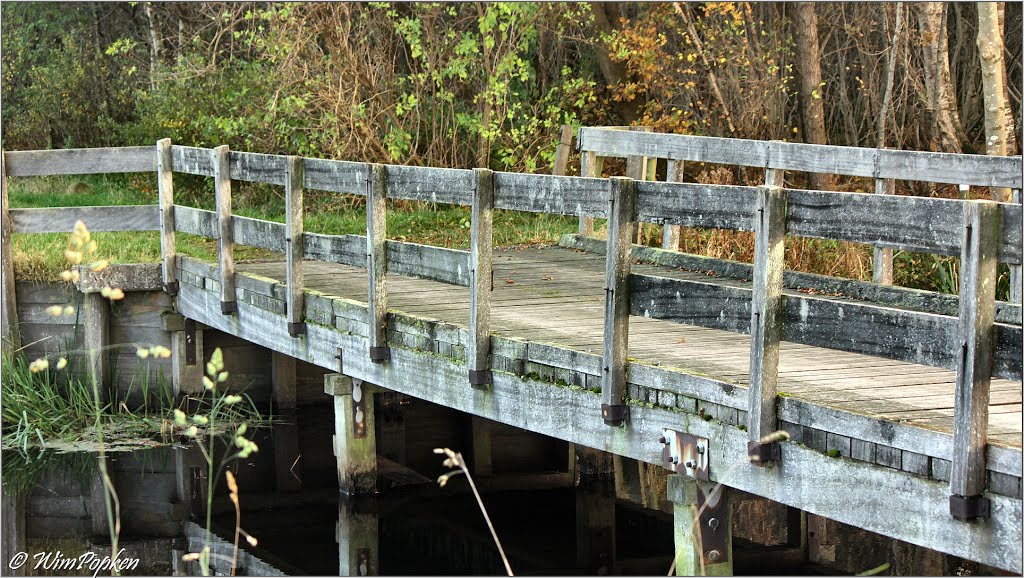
(618,259)
(590,166)
(11,331)
(773,177)
(293,245)
(165,187)
(1016,285)
(226,240)
(766,323)
(377,263)
(562,150)
(881,260)
(981,236)
(481,280)
(670,233)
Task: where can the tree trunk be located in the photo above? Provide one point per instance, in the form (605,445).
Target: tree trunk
(939,97)
(606,21)
(998,134)
(154,44)
(890,77)
(808,58)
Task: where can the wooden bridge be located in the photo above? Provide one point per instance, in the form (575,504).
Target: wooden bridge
(902,407)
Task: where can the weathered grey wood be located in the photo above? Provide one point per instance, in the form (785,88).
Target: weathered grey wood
(590,166)
(853,161)
(481,279)
(377,258)
(96,337)
(358,538)
(11,332)
(902,297)
(259,233)
(562,150)
(689,498)
(336,176)
(99,219)
(186,378)
(192,160)
(450,266)
(258,168)
(283,381)
(670,233)
(356,455)
(974,367)
(881,261)
(451,186)
(128,277)
(813,481)
(165,188)
(892,333)
(341,249)
(195,221)
(221,159)
(621,221)
(774,173)
(766,311)
(80,161)
(1016,279)
(550,194)
(294,244)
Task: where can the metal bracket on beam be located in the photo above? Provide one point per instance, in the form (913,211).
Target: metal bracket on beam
(969,507)
(480,378)
(380,354)
(296,329)
(228,307)
(358,409)
(190,341)
(614,415)
(685,454)
(714,535)
(762,454)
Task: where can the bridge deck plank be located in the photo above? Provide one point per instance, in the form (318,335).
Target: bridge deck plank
(554,295)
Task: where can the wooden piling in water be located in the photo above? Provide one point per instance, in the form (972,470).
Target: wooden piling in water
(355,443)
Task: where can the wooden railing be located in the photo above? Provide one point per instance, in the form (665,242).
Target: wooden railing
(980,232)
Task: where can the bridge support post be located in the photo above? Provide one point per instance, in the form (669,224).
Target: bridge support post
(95,339)
(11,333)
(982,233)
(187,359)
(357,536)
(670,233)
(377,263)
(355,441)
(766,323)
(590,166)
(702,527)
(595,530)
(293,244)
(618,259)
(478,356)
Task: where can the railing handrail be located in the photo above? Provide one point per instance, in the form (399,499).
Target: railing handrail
(960,169)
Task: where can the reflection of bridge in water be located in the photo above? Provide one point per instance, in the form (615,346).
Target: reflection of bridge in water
(896,400)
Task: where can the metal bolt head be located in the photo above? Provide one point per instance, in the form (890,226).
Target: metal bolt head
(714,555)
(713,523)
(662,440)
(691,464)
(673,460)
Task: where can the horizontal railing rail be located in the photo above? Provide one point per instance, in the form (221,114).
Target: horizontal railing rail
(980,232)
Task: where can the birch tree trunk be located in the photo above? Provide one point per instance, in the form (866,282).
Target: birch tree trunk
(154,44)
(998,118)
(939,97)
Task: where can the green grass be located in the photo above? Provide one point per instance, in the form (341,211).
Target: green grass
(40,257)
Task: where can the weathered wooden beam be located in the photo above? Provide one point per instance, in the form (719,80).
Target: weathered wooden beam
(980,170)
(550,194)
(481,280)
(221,159)
(193,160)
(429,184)
(165,188)
(881,261)
(283,378)
(259,168)
(590,166)
(702,527)
(621,221)
(562,150)
(774,176)
(80,161)
(358,539)
(187,360)
(670,233)
(355,443)
(11,334)
(1016,280)
(766,318)
(96,339)
(595,531)
(974,371)
(99,219)
(294,243)
(483,459)
(377,262)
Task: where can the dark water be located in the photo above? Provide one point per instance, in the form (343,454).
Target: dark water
(290,503)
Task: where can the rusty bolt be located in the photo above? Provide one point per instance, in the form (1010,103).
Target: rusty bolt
(662,440)
(713,523)
(714,556)
(700,450)
(691,464)
(673,460)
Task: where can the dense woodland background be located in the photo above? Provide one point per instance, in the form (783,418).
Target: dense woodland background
(490,84)
(475,84)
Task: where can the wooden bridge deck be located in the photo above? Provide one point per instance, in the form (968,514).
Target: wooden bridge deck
(555,295)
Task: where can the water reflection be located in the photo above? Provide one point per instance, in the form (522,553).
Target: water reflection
(290,502)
